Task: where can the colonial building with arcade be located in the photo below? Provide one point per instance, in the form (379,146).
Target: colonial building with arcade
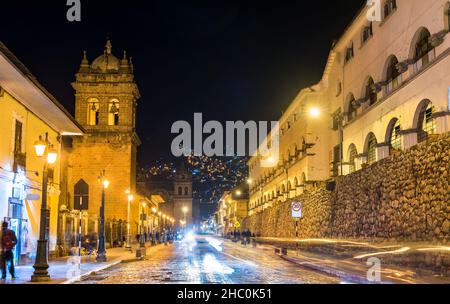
(385,89)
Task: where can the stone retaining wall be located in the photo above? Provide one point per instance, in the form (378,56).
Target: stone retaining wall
(278,222)
(405,197)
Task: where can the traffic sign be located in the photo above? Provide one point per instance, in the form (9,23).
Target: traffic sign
(297,210)
(237,225)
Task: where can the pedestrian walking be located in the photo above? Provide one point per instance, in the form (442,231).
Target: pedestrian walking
(8,242)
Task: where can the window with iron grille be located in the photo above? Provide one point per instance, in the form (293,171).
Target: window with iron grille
(396,139)
(352,157)
(429,123)
(372,150)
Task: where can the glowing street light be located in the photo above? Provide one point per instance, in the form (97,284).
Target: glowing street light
(130,199)
(106,184)
(41,264)
(314,112)
(40,146)
(52,155)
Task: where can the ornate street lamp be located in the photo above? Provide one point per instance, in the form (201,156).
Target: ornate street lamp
(43,149)
(101,252)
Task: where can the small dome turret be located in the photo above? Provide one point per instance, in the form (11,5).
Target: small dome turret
(106,63)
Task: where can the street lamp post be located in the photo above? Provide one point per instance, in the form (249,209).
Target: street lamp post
(101,252)
(165,228)
(43,148)
(153,226)
(142,239)
(130,199)
(159,226)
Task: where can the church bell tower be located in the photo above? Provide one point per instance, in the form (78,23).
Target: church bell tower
(106,96)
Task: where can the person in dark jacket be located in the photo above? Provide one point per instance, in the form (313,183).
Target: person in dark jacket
(8,242)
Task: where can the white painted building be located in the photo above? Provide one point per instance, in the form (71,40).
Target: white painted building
(385,88)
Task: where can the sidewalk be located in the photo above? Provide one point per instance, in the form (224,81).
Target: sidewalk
(410,263)
(61,270)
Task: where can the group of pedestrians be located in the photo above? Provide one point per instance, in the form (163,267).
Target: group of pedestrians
(243,236)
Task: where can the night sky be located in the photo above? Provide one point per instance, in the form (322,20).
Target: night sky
(230,60)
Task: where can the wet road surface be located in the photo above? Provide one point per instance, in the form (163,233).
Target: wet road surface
(209,260)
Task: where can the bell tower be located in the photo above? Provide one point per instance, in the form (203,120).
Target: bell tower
(106,96)
(183,195)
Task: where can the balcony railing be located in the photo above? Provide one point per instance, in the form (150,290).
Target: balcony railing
(424,61)
(393,84)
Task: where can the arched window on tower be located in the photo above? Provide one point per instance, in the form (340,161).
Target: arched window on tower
(113,112)
(93,118)
(180,191)
(186,191)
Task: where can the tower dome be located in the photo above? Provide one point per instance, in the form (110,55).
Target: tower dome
(107,62)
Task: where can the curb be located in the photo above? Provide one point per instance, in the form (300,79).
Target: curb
(89,273)
(101,268)
(348,277)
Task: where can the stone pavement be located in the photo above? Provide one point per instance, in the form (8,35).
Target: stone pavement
(405,263)
(62,270)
